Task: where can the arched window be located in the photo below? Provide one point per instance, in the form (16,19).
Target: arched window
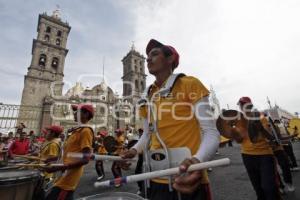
(142,85)
(59,33)
(47,38)
(57,42)
(42,60)
(136,68)
(136,85)
(48,29)
(55,63)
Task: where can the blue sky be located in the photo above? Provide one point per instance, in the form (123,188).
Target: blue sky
(240,47)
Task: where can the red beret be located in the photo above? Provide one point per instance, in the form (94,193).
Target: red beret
(244,100)
(55,129)
(156,44)
(87,107)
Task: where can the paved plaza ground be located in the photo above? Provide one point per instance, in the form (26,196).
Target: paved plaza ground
(228,183)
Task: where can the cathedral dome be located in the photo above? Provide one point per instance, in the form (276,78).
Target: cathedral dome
(76,90)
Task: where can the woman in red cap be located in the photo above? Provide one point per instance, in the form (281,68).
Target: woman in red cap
(79,141)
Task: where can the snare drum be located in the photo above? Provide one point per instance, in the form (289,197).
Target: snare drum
(18,184)
(114,196)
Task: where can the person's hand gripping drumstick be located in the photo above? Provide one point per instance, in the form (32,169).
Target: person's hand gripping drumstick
(187,182)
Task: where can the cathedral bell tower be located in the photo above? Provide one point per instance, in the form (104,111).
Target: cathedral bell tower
(134,77)
(46,71)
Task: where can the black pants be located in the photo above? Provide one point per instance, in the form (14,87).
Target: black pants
(161,192)
(99,168)
(139,170)
(262,174)
(284,165)
(290,152)
(58,193)
(116,170)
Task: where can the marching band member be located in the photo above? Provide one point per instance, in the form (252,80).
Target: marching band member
(80,141)
(101,150)
(188,125)
(115,168)
(257,154)
(51,148)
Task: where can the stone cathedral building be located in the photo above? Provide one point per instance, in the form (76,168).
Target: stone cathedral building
(43,84)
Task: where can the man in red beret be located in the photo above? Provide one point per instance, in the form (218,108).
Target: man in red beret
(80,141)
(257,153)
(180,121)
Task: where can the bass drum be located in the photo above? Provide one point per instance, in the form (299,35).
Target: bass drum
(114,196)
(18,184)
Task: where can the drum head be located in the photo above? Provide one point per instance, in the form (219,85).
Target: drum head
(110,144)
(114,196)
(17,176)
(229,118)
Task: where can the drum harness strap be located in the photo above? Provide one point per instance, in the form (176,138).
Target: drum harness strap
(148,100)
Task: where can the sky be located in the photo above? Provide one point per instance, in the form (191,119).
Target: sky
(241,48)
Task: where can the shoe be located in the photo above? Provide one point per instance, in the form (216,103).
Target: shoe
(100,178)
(289,187)
(294,169)
(117,185)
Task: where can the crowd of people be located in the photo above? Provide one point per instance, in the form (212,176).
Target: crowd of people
(167,129)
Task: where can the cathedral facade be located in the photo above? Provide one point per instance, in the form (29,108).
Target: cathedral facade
(43,84)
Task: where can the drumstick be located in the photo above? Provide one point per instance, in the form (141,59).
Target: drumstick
(162,173)
(100,157)
(38,165)
(30,157)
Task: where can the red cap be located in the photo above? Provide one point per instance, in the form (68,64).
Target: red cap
(119,131)
(55,129)
(244,100)
(87,107)
(103,133)
(156,44)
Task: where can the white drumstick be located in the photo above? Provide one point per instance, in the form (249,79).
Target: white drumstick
(100,157)
(162,173)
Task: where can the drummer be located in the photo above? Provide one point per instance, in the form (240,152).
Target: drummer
(181,131)
(80,141)
(51,149)
(258,156)
(101,150)
(115,168)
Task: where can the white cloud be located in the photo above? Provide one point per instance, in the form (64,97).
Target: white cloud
(241,47)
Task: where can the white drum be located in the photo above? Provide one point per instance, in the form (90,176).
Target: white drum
(114,196)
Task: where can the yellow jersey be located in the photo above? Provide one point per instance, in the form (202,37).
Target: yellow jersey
(261,147)
(177,123)
(80,139)
(50,149)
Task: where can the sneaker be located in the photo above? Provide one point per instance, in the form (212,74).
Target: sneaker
(289,187)
(117,185)
(100,178)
